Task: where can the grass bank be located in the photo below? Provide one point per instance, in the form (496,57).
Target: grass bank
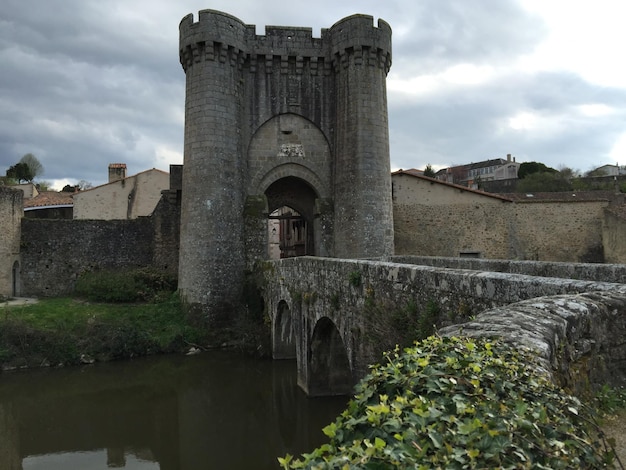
(65,331)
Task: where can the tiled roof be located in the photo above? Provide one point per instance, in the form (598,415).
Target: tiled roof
(50,198)
(410,171)
(415,173)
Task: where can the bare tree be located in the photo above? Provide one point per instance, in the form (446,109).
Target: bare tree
(34,165)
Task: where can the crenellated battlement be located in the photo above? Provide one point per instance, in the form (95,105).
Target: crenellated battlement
(217,36)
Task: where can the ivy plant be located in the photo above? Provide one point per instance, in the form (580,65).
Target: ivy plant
(458,403)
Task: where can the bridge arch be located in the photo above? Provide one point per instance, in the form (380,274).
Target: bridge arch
(329,370)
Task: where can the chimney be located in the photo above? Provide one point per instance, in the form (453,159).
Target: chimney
(508,157)
(117,171)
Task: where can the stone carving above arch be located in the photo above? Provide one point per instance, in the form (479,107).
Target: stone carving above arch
(293,170)
(289,145)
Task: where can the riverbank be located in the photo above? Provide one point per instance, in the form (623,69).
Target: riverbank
(68,331)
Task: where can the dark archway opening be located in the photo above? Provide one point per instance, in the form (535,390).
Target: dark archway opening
(291,204)
(329,366)
(15,290)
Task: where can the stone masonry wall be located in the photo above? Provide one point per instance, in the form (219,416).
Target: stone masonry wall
(579,338)
(448,230)
(613,238)
(558,231)
(11,209)
(614,273)
(55,252)
(546,231)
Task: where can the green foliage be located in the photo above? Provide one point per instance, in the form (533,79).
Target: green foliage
(26,169)
(609,400)
(528,168)
(451,403)
(70,189)
(61,330)
(355,279)
(429,171)
(543,182)
(387,327)
(137,285)
(427,320)
(20,172)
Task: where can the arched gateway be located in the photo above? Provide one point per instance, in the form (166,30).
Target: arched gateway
(283,132)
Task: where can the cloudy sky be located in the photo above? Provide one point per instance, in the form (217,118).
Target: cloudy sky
(84,83)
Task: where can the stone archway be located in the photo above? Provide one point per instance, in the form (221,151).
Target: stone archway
(329,371)
(291,207)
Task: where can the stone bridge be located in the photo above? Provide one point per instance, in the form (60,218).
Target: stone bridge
(324,312)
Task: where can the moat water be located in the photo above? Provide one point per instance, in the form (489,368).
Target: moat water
(216,410)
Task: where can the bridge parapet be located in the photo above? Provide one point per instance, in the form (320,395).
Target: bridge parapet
(323,292)
(615,273)
(579,338)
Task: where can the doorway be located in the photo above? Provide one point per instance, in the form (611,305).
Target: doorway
(291,204)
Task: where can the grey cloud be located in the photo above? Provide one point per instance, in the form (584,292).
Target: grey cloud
(86,82)
(471,123)
(439,34)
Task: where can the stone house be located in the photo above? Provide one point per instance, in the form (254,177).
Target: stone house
(473,174)
(123,197)
(609,170)
(29,189)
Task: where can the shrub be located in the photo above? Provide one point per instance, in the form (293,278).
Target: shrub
(387,326)
(451,403)
(137,285)
(355,279)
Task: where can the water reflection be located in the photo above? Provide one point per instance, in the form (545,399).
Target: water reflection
(216,410)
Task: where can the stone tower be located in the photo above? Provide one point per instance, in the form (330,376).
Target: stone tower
(281,120)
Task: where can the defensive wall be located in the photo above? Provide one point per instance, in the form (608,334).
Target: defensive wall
(613,230)
(323,310)
(490,226)
(54,252)
(11,211)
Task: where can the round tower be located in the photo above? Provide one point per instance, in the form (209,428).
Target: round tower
(212,260)
(361,57)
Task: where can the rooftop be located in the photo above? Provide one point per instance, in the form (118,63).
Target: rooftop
(49,198)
